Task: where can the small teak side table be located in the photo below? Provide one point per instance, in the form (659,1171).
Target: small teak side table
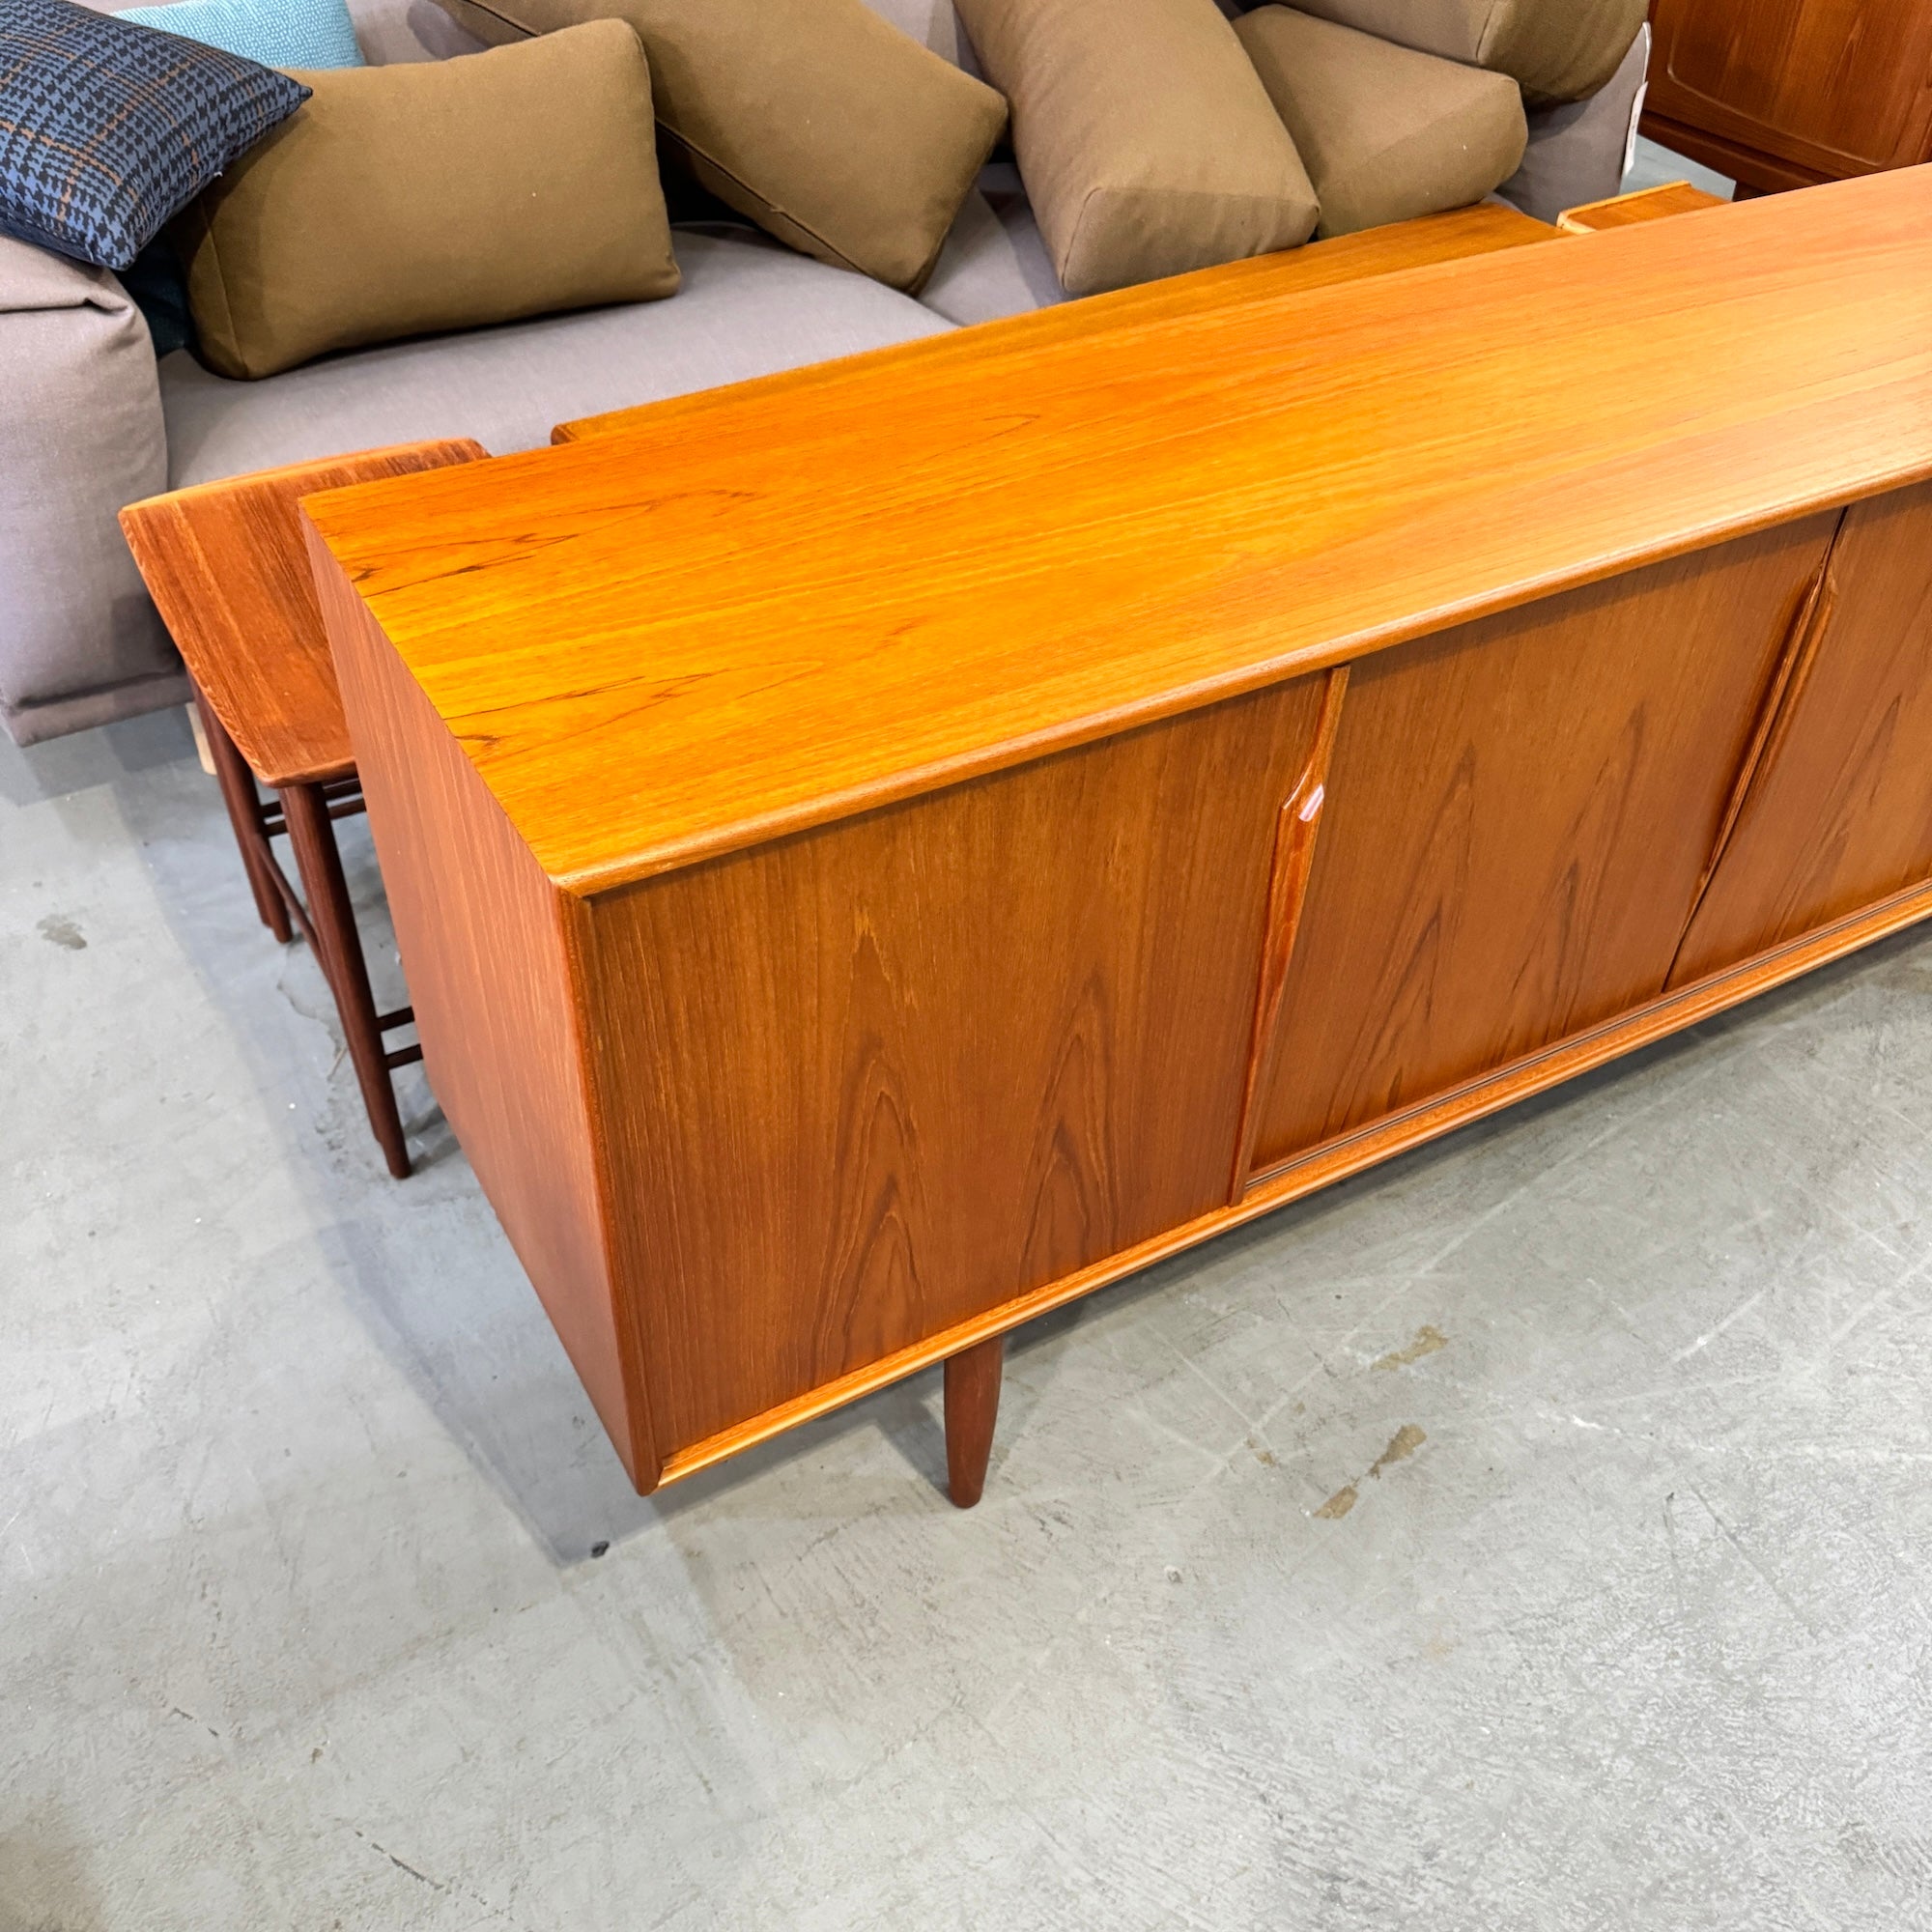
(226,564)
(1644,204)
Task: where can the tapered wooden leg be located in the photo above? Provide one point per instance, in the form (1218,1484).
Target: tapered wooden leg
(972,1407)
(340,946)
(244,815)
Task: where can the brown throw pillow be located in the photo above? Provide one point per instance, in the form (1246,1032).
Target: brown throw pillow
(1145,141)
(1553,50)
(815,118)
(439,194)
(1388,133)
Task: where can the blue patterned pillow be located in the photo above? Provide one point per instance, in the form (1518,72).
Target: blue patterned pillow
(107,129)
(278,33)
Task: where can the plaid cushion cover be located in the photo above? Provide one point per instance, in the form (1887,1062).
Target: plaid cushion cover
(107,129)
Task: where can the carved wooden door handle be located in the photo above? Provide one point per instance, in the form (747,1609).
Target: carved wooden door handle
(1287,887)
(1774,722)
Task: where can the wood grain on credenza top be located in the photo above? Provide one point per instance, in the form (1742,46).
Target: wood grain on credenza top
(1482,229)
(779,607)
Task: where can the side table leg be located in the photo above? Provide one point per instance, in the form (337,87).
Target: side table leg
(334,918)
(972,1407)
(244,815)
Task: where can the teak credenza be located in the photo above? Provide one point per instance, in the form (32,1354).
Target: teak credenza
(882,851)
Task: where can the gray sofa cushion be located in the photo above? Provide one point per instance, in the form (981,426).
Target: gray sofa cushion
(994,262)
(82,436)
(748,308)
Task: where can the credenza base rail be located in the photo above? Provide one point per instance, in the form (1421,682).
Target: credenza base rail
(1308,1173)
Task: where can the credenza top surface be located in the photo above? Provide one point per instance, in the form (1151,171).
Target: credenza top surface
(780,604)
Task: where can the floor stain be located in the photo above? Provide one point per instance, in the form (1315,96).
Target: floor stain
(1427,1342)
(1404,1443)
(59,931)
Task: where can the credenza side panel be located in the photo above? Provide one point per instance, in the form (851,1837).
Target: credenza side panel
(481,936)
(870,1081)
(1840,814)
(1519,813)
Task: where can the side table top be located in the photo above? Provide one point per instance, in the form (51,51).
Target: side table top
(773,607)
(1644,204)
(226,564)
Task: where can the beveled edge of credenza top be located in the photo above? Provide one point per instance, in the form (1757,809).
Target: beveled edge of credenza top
(783,608)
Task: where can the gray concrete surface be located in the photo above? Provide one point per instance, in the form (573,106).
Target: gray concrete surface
(1651,166)
(300,1624)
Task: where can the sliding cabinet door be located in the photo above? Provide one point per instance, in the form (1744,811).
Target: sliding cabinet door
(1519,816)
(865,1083)
(1838,812)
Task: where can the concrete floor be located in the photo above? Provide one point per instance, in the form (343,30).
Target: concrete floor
(1651,166)
(301,1624)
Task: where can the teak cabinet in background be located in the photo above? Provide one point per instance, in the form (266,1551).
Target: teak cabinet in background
(1781,94)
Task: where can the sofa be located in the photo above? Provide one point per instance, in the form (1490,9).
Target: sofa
(92,420)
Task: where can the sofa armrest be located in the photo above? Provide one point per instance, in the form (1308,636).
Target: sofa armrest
(80,436)
(1579,151)
(1553,49)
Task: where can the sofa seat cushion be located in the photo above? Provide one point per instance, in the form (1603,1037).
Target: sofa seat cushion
(1385,133)
(748,308)
(994,262)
